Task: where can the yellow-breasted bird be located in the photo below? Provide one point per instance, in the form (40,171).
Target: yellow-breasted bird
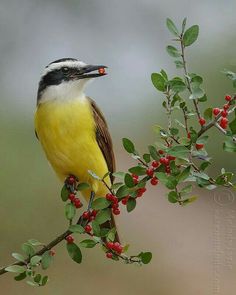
(71,128)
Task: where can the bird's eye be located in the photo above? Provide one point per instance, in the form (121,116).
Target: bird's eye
(65,70)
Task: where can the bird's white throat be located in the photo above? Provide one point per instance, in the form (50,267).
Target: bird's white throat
(65,91)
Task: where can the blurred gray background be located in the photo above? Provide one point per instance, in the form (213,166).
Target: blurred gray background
(193,247)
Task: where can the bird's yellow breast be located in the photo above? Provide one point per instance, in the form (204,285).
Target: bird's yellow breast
(66,130)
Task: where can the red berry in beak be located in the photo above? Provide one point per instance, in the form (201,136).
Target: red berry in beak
(101,71)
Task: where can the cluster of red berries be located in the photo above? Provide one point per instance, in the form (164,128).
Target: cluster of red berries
(71,181)
(140,191)
(76,201)
(115,203)
(223,112)
(115,247)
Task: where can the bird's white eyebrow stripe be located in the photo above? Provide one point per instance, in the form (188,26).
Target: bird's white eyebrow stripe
(59,65)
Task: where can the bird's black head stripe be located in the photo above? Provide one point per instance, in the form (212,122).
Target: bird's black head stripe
(61,60)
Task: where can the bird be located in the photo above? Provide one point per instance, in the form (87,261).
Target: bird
(71,128)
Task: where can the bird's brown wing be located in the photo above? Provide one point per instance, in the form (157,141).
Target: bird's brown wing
(103,137)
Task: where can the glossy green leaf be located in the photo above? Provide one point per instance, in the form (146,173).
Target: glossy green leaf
(131,204)
(76,228)
(28,249)
(70,211)
(138,170)
(18,257)
(20,276)
(83,186)
(146,257)
(46,260)
(229,146)
(35,260)
(88,243)
(15,268)
(100,203)
(74,252)
(128,145)
(191,35)
(173,197)
(64,193)
(179,151)
(172,27)
(103,215)
(173,51)
(129,182)
(158,81)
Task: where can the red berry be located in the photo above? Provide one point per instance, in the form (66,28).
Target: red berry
(171,158)
(167,169)
(116,246)
(202,121)
(116,211)
(71,180)
(52,252)
(155,164)
(224,113)
(150,171)
(228,98)
(119,249)
(115,206)
(161,152)
(94,213)
(226,106)
(199,146)
(154,181)
(110,245)
(141,191)
(164,161)
(101,71)
(77,203)
(88,228)
(189,135)
(71,197)
(216,111)
(134,176)
(115,200)
(86,215)
(125,200)
(135,180)
(224,121)
(70,239)
(109,255)
(109,197)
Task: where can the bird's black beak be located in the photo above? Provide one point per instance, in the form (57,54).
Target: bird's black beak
(91,71)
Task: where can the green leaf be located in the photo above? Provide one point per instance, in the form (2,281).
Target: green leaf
(64,193)
(131,204)
(76,228)
(28,249)
(103,215)
(147,158)
(138,170)
(172,27)
(204,165)
(100,203)
(37,278)
(122,191)
(88,243)
(46,260)
(111,234)
(129,180)
(120,175)
(162,177)
(189,200)
(158,81)
(171,182)
(164,75)
(232,126)
(179,64)
(174,131)
(172,51)
(229,146)
(173,197)
(21,276)
(179,151)
(191,35)
(146,257)
(44,281)
(177,85)
(184,174)
(128,145)
(74,252)
(208,114)
(153,152)
(187,189)
(35,260)
(202,139)
(184,24)
(96,228)
(18,257)
(197,92)
(33,284)
(15,268)
(34,242)
(83,186)
(70,211)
